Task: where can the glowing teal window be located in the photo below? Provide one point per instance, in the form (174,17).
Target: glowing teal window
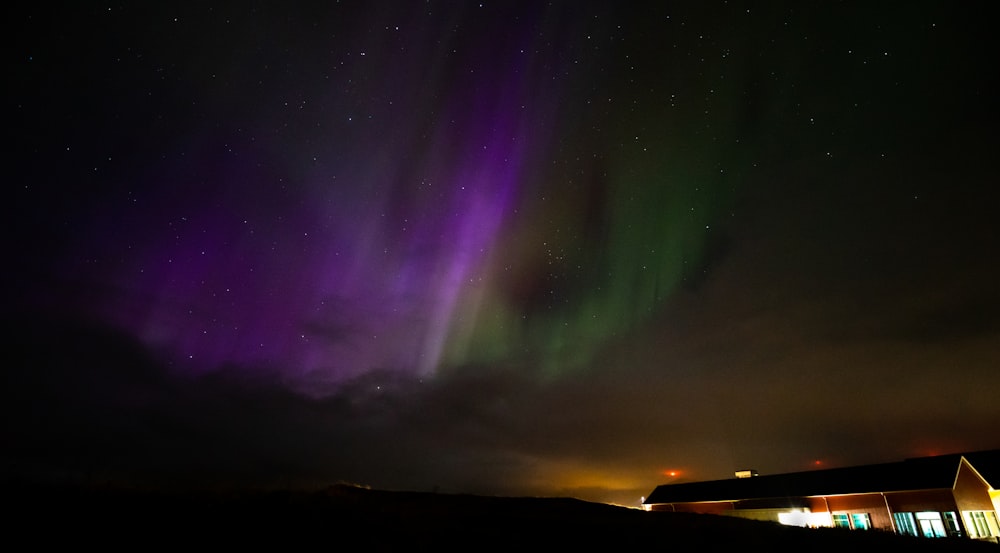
(931,525)
(905,524)
(860,521)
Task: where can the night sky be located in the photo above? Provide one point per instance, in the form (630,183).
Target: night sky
(518,248)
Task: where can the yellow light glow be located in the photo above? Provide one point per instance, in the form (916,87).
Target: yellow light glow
(805,519)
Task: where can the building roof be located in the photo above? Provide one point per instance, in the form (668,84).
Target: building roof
(923,473)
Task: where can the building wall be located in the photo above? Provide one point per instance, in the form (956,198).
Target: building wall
(971,493)
(926,500)
(767,515)
(818,505)
(871,503)
(714,508)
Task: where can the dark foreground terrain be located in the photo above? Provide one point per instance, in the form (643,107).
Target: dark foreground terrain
(343,517)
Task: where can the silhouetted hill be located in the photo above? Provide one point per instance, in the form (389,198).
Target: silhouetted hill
(376,520)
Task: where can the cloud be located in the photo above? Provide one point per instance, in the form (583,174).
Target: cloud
(742,371)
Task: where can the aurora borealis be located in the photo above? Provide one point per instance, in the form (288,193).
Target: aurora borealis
(510,247)
(425,214)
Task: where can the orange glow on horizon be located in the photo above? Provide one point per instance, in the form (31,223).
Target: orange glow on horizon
(671,473)
(940,446)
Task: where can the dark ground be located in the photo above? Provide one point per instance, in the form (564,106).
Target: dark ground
(372,520)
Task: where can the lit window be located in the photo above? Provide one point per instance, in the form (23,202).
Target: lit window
(951,524)
(982,524)
(931,525)
(861,521)
(905,524)
(857,521)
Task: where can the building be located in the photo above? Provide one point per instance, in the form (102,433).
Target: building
(947,495)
